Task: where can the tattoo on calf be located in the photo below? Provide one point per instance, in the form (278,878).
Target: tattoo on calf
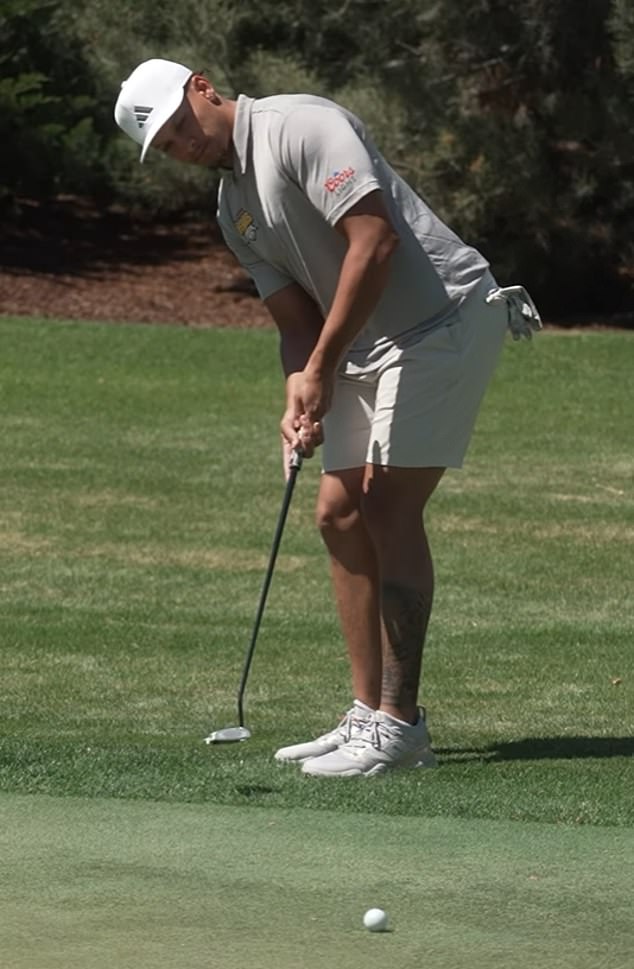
(405,617)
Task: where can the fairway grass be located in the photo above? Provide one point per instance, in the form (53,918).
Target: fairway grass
(96,884)
(140,484)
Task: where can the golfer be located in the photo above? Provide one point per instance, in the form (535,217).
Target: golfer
(390,328)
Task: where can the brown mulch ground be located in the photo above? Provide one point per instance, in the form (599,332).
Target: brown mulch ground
(71,261)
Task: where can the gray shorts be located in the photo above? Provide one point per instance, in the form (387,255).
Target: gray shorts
(418,409)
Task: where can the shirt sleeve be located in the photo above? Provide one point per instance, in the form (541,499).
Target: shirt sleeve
(267,278)
(327,158)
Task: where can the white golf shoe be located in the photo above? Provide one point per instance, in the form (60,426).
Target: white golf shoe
(351,726)
(384,744)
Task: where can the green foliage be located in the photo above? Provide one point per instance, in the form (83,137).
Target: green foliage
(519,125)
(621,24)
(515,118)
(46,105)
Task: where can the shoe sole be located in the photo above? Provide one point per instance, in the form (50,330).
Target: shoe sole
(302,760)
(426,762)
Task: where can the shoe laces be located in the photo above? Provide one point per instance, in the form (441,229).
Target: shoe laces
(349,722)
(373,733)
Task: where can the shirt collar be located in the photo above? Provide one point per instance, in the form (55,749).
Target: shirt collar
(241,132)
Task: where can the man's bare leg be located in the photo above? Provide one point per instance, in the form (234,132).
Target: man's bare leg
(355,578)
(392,507)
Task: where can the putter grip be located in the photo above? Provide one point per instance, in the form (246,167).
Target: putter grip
(297,456)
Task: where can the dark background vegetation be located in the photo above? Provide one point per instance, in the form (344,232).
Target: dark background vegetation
(514,118)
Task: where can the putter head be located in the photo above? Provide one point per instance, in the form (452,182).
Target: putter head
(228,735)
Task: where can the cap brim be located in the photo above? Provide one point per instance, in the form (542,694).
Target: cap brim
(162,117)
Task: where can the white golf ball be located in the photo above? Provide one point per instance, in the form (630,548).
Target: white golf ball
(375,919)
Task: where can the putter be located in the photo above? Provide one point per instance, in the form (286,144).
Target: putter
(231,735)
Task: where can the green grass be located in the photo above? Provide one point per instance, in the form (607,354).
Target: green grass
(98,884)
(140,483)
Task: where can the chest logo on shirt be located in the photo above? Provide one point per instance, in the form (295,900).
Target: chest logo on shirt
(336,182)
(246,226)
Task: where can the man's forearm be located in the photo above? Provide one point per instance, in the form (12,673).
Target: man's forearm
(299,322)
(296,347)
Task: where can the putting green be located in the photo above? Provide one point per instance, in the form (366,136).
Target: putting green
(87,884)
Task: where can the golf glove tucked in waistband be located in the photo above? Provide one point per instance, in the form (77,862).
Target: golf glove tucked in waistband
(523,316)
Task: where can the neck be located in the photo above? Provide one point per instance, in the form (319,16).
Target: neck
(229,109)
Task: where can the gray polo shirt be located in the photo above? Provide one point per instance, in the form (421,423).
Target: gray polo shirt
(300,163)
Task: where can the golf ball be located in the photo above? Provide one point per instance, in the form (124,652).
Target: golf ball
(375,920)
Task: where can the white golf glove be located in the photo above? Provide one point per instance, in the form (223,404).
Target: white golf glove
(523,316)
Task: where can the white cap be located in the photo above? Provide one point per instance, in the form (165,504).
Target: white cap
(149,98)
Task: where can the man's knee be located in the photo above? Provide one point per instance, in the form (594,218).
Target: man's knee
(338,502)
(335,516)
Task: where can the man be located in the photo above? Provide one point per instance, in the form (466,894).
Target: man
(390,328)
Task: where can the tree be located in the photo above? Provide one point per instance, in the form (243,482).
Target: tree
(46,105)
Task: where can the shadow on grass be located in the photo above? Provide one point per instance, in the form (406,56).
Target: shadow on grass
(545,748)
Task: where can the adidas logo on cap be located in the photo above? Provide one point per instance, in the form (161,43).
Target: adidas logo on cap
(142,113)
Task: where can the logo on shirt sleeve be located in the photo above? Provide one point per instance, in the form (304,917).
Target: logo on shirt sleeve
(339,179)
(246,226)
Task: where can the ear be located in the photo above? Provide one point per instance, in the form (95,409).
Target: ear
(204,87)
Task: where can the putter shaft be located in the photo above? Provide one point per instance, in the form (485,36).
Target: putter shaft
(297,457)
